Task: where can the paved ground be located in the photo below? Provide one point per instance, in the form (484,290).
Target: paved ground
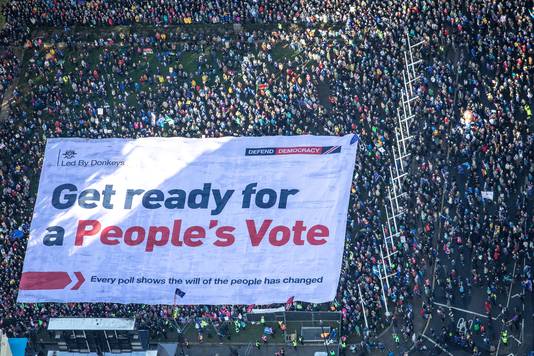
(213,350)
(464,310)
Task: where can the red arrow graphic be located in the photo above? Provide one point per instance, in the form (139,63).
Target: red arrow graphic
(49,280)
(78,275)
(44,280)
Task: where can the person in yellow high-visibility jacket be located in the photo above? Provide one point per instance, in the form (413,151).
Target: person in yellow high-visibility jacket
(504,337)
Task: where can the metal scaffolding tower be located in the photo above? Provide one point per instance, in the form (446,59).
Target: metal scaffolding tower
(394,205)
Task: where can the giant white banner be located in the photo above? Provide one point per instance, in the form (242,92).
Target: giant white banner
(248,220)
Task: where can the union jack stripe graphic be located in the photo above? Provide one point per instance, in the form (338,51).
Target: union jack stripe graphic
(333,149)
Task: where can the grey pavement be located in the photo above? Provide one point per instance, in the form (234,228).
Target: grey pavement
(246,350)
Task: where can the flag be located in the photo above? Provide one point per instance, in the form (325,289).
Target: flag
(376,176)
(289,303)
(262,88)
(487,195)
(179,292)
(17,234)
(250,307)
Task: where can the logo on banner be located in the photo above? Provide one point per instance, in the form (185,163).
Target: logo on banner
(67,159)
(69,154)
(300,150)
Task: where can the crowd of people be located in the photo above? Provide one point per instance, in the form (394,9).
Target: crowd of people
(313,67)
(8,67)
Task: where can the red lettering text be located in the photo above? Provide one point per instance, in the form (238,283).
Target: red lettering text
(257,236)
(273,235)
(317,231)
(152,241)
(226,238)
(194,232)
(83,231)
(111,232)
(139,231)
